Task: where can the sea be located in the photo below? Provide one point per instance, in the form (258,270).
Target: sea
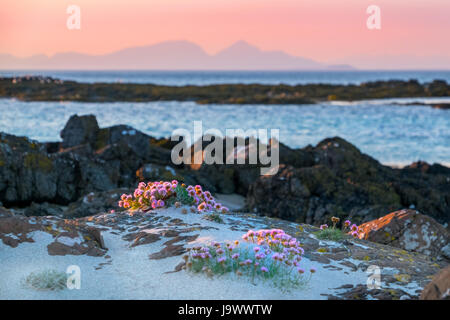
(395,135)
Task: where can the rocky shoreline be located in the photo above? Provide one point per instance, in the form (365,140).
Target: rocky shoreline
(139,255)
(59,203)
(33,88)
(313,183)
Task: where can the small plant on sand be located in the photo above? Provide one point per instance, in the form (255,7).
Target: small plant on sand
(264,254)
(335,234)
(46,280)
(213,217)
(160,194)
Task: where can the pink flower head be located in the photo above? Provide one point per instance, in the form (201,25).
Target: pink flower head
(264,269)
(235,256)
(142,185)
(260,256)
(160,203)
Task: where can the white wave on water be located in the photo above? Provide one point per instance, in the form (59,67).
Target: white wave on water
(387,132)
(394,101)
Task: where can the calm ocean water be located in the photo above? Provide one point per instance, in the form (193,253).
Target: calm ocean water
(178,78)
(390,133)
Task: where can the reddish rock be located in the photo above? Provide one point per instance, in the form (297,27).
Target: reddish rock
(169,251)
(439,287)
(408,230)
(14,229)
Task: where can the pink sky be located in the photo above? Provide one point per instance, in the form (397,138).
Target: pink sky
(324,30)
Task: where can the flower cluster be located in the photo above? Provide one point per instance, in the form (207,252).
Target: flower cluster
(347,227)
(267,254)
(204,200)
(159,194)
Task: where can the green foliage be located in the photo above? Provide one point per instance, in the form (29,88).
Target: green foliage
(333,234)
(47,280)
(183,196)
(213,217)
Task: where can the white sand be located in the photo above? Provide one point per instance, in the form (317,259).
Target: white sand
(132,275)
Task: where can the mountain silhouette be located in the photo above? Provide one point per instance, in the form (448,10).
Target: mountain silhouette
(170,55)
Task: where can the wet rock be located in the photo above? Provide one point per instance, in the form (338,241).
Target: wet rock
(80,130)
(408,230)
(155,172)
(43,209)
(95,202)
(168,251)
(15,229)
(346,183)
(439,287)
(135,140)
(314,183)
(141,238)
(69,237)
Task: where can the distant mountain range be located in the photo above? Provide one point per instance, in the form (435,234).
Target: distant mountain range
(172,55)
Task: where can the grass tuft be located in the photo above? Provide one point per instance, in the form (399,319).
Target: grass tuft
(47,280)
(330,234)
(215,217)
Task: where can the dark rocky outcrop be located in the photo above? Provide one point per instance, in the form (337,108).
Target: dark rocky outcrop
(48,89)
(106,159)
(347,183)
(79,131)
(312,184)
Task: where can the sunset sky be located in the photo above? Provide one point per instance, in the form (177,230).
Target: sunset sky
(325,30)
